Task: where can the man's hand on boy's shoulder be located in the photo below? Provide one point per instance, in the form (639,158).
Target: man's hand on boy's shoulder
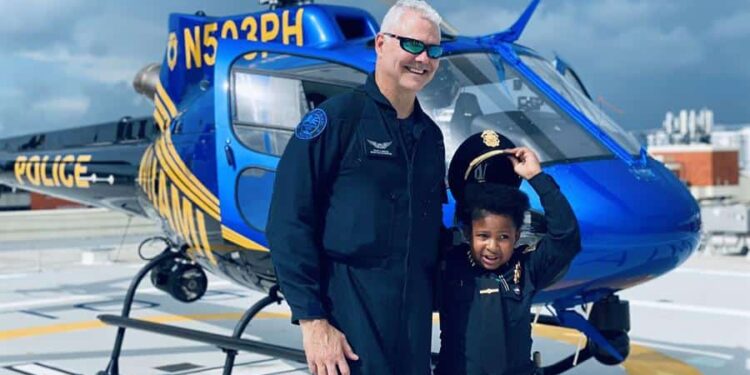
(525,162)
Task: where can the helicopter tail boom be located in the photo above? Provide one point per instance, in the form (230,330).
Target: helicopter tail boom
(95,165)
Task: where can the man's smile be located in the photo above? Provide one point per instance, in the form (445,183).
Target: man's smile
(416,70)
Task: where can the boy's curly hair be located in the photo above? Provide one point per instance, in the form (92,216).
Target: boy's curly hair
(487,198)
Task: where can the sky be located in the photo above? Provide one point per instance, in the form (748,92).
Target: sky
(67,63)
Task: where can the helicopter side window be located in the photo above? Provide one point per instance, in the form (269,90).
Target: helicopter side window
(255,207)
(269,97)
(268,105)
(266,110)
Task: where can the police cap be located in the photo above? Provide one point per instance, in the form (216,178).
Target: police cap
(480,159)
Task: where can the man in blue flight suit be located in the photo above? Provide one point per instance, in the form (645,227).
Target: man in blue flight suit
(356,212)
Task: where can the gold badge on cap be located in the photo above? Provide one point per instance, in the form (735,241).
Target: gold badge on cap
(490,138)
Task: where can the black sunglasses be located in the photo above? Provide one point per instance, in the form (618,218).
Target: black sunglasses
(415,47)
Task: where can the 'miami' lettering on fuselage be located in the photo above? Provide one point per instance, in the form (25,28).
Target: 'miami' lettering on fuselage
(201,42)
(173,190)
(53,170)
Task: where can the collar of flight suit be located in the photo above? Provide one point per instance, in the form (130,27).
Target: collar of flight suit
(373,91)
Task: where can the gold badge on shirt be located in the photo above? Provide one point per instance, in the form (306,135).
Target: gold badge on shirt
(490,138)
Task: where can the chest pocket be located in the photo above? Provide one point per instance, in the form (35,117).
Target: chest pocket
(456,302)
(517,305)
(458,291)
(429,162)
(456,298)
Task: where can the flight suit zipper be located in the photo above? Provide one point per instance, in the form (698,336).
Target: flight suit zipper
(409,169)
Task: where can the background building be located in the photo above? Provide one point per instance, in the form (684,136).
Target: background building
(714,162)
(712,159)
(709,171)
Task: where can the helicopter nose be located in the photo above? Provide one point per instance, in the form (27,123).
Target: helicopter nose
(635,224)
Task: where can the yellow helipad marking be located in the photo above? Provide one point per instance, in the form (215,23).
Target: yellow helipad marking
(47,330)
(641,360)
(93,324)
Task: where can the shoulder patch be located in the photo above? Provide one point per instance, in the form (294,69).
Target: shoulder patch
(312,125)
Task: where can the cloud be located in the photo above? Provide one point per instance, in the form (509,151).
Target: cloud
(609,35)
(63,106)
(113,101)
(45,108)
(614,15)
(96,68)
(617,36)
(643,56)
(734,26)
(35,23)
(8,93)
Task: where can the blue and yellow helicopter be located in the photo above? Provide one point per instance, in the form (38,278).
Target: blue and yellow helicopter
(227,98)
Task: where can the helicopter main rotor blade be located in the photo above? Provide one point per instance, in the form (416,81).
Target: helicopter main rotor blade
(445,27)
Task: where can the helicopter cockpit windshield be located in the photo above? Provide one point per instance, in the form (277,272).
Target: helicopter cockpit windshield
(477,91)
(575,96)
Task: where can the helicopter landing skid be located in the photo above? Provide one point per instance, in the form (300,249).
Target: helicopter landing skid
(606,328)
(229,344)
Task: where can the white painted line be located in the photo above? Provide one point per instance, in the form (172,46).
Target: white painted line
(265,367)
(221,283)
(45,302)
(692,308)
(55,301)
(37,369)
(713,272)
(726,357)
(215,284)
(14,276)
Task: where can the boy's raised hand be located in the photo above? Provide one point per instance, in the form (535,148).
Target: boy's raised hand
(525,162)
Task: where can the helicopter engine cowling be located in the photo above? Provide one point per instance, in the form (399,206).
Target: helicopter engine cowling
(146,79)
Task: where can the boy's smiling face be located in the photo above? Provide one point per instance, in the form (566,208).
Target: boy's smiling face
(493,238)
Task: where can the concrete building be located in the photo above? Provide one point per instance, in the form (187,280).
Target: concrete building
(737,136)
(709,171)
(700,152)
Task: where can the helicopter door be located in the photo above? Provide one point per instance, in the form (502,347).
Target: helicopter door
(266,99)
(567,71)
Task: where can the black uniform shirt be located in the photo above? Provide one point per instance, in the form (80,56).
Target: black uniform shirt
(407,128)
(485,317)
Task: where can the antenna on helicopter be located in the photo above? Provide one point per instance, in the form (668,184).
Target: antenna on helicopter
(275,4)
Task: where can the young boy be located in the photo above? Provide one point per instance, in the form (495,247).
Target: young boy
(489,283)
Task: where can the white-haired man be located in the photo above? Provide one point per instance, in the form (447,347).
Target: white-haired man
(356,212)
